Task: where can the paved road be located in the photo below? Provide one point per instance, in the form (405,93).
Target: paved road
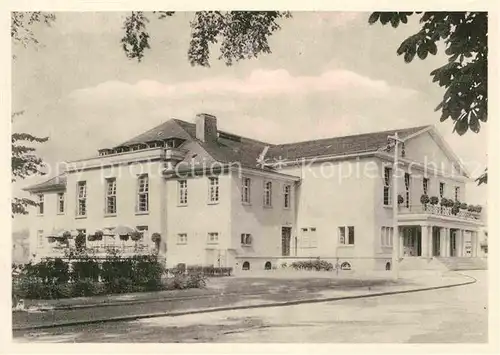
(454,315)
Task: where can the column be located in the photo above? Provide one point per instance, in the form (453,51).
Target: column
(425,240)
(401,242)
(447,242)
(441,241)
(475,243)
(460,242)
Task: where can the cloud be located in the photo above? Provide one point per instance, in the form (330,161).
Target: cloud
(259,83)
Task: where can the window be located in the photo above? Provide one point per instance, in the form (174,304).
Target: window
(441,189)
(182,238)
(457,193)
(82,198)
(245,189)
(39,238)
(407,190)
(143,193)
(386,236)
(425,186)
(144,230)
(110,196)
(183,192)
(213,238)
(40,204)
(213,191)
(268,193)
(308,238)
(349,239)
(246,239)
(387,185)
(286,196)
(60,203)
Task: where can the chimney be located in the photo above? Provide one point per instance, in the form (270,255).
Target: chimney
(206,127)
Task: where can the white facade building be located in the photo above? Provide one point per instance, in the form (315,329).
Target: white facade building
(220,199)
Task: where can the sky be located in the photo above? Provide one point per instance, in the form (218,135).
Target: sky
(329,74)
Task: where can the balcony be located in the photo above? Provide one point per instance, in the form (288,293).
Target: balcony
(439,211)
(59,250)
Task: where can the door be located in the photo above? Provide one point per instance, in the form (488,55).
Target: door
(286,234)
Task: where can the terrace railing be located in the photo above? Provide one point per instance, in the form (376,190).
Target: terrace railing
(439,210)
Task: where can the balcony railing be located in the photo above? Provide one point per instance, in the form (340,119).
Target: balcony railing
(440,211)
(140,249)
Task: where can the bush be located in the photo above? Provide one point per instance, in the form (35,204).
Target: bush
(316,265)
(400,199)
(424,199)
(85,268)
(463,206)
(434,200)
(84,288)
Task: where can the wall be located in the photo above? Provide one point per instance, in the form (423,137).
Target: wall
(126,194)
(263,223)
(197,219)
(336,194)
(50,220)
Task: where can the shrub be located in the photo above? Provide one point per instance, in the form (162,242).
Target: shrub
(400,199)
(84,288)
(135,236)
(196,280)
(434,200)
(316,265)
(424,199)
(284,265)
(80,241)
(463,206)
(120,285)
(85,268)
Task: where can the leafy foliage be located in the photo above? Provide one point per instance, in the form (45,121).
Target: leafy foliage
(241,34)
(24,162)
(464,77)
(21,30)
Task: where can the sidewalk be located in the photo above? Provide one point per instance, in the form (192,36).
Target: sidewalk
(228,293)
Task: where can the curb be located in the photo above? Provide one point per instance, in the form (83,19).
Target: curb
(229,308)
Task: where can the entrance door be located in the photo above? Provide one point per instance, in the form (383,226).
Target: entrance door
(286,234)
(453,242)
(436,242)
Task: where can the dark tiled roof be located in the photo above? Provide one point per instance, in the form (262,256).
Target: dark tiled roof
(57,182)
(169,129)
(353,144)
(246,151)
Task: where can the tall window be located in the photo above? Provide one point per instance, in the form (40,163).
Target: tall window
(286,196)
(245,189)
(213,238)
(111,196)
(41,202)
(213,189)
(60,203)
(425,186)
(143,193)
(183,192)
(457,193)
(346,235)
(386,236)
(441,189)
(407,190)
(387,185)
(268,193)
(39,238)
(82,198)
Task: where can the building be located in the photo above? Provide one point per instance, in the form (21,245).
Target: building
(216,198)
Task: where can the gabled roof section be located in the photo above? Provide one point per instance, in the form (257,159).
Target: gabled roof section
(346,145)
(55,183)
(170,129)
